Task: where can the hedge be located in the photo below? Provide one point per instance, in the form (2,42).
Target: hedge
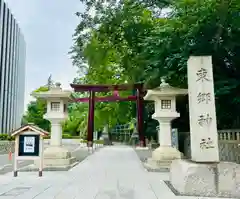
(10,138)
(64,136)
(6,137)
(95,141)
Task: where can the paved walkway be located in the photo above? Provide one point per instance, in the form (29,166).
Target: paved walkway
(111,173)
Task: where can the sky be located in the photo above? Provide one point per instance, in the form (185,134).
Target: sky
(47,26)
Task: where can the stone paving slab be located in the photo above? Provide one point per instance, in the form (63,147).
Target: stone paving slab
(113,172)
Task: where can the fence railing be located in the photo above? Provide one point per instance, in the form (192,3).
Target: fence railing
(228,142)
(229,145)
(229,136)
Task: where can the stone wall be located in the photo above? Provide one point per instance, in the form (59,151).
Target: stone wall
(6,146)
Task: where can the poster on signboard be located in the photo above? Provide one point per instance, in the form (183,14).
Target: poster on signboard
(29,144)
(175,138)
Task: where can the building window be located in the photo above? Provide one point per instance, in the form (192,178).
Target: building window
(55,106)
(166,104)
(65,108)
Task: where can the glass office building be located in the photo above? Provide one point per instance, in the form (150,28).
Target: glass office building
(12,71)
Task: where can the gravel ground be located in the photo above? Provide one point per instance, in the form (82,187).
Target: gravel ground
(81,154)
(143,155)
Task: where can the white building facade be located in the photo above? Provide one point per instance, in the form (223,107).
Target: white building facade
(12,71)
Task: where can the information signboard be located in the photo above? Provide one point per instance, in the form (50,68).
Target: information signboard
(29,145)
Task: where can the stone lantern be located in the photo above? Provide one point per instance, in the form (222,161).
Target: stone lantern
(164,97)
(57,103)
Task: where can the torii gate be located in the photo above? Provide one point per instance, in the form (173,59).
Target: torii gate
(92,89)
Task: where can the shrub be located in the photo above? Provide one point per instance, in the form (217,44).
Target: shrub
(46,137)
(95,141)
(99,141)
(3,136)
(66,136)
(75,137)
(6,137)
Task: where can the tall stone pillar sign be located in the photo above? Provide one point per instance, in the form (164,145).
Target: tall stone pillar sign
(205,175)
(165,111)
(57,99)
(203,126)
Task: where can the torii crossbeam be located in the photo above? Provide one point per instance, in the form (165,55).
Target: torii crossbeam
(92,89)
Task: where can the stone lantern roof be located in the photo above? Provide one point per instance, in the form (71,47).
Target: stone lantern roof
(164,90)
(55,91)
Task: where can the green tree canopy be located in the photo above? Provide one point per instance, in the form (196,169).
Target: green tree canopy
(145,40)
(35,111)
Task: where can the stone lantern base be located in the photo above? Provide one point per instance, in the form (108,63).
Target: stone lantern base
(55,159)
(58,157)
(162,158)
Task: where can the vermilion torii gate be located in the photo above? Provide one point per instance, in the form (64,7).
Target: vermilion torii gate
(92,89)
